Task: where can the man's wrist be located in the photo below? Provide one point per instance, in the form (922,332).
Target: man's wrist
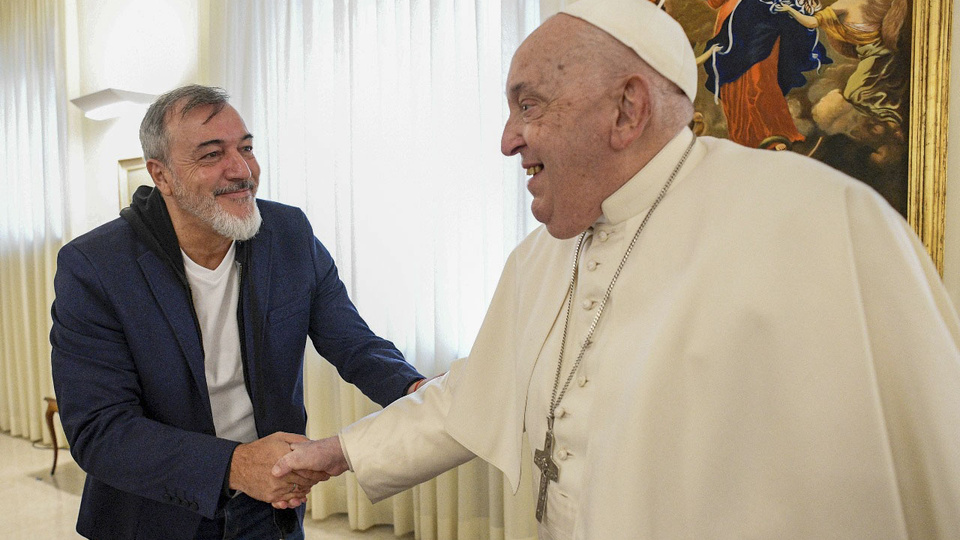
(414,386)
(227,491)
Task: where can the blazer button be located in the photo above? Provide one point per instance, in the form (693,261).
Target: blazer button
(194,506)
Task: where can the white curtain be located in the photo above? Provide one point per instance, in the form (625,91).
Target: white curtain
(33,147)
(382,120)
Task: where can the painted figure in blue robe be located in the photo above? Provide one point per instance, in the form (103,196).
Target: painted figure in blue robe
(760,56)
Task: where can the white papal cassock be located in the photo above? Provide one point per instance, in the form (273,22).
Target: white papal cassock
(778,360)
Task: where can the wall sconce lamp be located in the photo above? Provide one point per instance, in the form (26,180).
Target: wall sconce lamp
(111,103)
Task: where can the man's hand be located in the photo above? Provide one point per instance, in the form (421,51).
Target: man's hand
(251,466)
(418,384)
(319,460)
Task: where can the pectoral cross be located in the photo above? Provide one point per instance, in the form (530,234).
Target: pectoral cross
(548,468)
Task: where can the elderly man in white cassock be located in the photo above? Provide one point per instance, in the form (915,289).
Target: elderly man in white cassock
(704,341)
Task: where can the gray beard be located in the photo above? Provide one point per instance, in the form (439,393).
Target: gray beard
(210,212)
(234,227)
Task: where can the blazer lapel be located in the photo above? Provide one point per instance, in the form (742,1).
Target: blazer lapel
(259,275)
(255,289)
(174,301)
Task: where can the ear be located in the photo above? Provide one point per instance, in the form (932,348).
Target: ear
(634,111)
(161,176)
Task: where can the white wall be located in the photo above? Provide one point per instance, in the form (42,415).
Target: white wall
(148,46)
(951,249)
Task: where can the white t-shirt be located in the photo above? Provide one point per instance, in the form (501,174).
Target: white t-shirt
(215,296)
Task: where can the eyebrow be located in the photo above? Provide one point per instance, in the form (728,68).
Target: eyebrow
(515,89)
(246,137)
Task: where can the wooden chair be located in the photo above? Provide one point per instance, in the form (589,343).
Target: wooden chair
(51,409)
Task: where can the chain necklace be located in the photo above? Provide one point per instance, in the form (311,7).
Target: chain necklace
(549,471)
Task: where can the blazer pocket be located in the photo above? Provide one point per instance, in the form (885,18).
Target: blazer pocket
(286,311)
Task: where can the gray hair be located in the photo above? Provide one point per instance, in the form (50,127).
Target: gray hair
(153,128)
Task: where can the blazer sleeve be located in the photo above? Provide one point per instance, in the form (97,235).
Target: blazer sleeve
(101,402)
(342,337)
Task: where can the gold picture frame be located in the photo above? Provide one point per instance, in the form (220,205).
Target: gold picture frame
(929,93)
(898,145)
(132,173)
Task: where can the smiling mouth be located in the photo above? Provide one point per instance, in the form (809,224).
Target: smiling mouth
(534,170)
(242,186)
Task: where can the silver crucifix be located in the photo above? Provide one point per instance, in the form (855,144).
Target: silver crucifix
(549,472)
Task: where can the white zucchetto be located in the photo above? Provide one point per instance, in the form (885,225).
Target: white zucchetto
(653,34)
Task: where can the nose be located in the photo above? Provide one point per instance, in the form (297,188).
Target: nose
(237,166)
(512,140)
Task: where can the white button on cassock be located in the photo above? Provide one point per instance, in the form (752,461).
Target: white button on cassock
(587,304)
(582,381)
(562,455)
(592,265)
(603,235)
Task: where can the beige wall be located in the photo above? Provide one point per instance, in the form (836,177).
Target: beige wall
(145,46)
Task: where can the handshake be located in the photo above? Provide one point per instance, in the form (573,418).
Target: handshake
(281,468)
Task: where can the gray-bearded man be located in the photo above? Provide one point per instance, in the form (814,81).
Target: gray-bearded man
(178,340)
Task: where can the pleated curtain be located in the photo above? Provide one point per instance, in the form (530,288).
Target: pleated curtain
(382,120)
(33,150)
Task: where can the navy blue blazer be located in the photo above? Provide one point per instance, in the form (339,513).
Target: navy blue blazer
(129,376)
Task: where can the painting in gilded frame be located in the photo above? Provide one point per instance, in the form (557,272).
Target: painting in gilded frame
(860,85)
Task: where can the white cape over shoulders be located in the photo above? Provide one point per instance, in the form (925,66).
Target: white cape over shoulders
(779,360)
